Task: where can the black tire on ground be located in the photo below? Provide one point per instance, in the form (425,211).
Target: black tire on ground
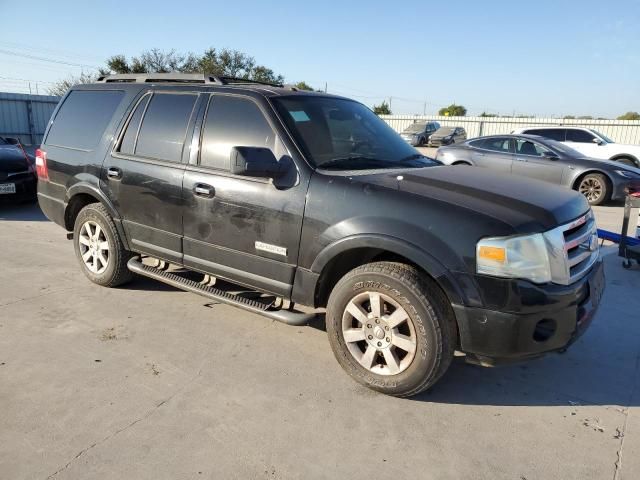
(430,323)
(116,272)
(595,187)
(464,164)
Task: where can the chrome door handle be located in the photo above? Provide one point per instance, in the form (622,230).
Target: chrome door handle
(203,190)
(114,173)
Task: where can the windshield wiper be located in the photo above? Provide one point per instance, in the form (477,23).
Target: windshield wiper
(351,158)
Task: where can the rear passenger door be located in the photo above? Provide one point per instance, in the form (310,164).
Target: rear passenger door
(495,153)
(143,175)
(241,228)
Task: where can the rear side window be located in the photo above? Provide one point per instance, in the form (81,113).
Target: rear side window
(129,140)
(233,122)
(557,134)
(164,126)
(83,118)
(501,144)
(580,136)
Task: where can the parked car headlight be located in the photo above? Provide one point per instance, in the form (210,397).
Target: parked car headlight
(627,174)
(523,256)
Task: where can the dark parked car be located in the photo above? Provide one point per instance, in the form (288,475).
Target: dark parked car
(447,136)
(304,197)
(538,157)
(17,173)
(418,133)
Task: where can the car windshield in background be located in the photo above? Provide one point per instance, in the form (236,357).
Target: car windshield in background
(341,134)
(416,128)
(604,137)
(445,130)
(561,147)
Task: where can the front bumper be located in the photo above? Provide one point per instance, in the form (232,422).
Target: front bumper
(551,318)
(438,142)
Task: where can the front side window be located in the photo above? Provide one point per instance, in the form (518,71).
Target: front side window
(579,136)
(340,134)
(233,122)
(83,118)
(527,147)
(164,126)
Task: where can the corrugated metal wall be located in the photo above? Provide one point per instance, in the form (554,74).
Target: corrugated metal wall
(621,131)
(25,116)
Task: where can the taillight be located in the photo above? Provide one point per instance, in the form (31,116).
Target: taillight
(41,165)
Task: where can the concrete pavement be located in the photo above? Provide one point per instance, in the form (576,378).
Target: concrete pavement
(148,382)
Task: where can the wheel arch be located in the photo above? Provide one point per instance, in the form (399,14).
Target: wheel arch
(620,156)
(578,179)
(340,257)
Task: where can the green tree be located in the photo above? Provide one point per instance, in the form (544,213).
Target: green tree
(382,109)
(486,114)
(569,117)
(630,116)
(224,62)
(304,86)
(61,87)
(453,110)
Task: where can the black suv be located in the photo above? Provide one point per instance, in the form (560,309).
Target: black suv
(207,183)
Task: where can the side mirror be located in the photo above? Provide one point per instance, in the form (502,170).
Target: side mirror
(598,141)
(550,155)
(12,141)
(253,162)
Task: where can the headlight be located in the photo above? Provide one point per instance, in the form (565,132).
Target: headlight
(514,257)
(627,174)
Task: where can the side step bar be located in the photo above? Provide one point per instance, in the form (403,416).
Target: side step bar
(289,317)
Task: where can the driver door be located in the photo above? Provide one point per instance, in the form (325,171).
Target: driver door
(241,228)
(530,162)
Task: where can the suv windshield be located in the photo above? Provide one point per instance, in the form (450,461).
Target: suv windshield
(341,134)
(604,137)
(416,128)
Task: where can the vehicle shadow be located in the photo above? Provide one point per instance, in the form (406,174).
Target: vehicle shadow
(23,212)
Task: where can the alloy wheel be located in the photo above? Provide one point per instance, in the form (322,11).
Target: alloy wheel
(379,333)
(591,188)
(94,247)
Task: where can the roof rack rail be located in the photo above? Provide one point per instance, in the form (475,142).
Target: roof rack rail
(179,78)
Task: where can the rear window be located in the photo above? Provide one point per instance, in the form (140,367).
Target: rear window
(164,126)
(83,118)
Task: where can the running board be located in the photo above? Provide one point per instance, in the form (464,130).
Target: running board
(289,317)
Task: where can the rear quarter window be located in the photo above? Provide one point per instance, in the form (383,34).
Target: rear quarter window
(83,118)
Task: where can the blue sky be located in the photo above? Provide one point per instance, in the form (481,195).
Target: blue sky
(545,57)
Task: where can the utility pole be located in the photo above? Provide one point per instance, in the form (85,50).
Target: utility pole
(29,88)
(325,87)
(390,98)
(424,109)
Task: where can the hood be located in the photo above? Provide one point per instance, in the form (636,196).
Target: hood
(609,165)
(526,205)
(12,159)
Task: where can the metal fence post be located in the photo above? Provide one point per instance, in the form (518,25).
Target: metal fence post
(32,125)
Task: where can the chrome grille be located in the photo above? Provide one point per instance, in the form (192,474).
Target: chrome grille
(573,249)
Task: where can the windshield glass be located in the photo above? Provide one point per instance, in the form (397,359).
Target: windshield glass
(604,137)
(416,128)
(445,130)
(341,134)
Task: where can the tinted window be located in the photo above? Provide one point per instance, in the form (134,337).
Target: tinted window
(527,147)
(552,133)
(164,126)
(83,117)
(233,122)
(581,136)
(128,141)
(500,144)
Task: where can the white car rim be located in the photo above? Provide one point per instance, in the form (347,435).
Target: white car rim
(94,247)
(591,188)
(379,333)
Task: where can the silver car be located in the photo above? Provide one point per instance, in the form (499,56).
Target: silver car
(544,159)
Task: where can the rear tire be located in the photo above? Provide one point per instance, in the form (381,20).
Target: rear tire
(595,187)
(99,248)
(391,328)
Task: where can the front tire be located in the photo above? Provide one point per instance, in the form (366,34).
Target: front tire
(391,328)
(99,248)
(628,161)
(595,187)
